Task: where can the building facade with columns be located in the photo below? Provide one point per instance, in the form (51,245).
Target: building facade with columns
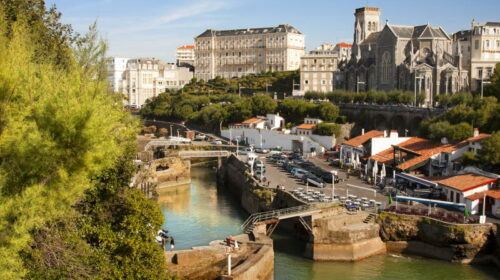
(239,52)
(144,78)
(479,48)
(402,57)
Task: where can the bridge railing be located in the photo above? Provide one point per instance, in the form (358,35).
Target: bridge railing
(274,214)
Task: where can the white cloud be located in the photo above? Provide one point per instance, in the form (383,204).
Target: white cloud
(193,9)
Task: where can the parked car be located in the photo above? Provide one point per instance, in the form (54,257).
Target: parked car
(299,173)
(245,151)
(261,151)
(200,137)
(216,142)
(316,182)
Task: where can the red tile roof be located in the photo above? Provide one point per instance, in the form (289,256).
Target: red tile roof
(307,126)
(361,139)
(344,45)
(185,47)
(464,182)
(253,121)
(493,194)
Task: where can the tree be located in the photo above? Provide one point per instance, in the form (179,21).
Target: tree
(65,142)
(327,129)
(294,110)
(490,151)
(262,104)
(493,89)
(327,112)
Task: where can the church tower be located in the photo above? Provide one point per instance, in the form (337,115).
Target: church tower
(367,21)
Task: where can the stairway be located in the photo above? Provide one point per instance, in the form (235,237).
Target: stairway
(370,218)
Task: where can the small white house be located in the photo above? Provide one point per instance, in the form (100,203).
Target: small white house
(305,129)
(462,188)
(312,121)
(274,121)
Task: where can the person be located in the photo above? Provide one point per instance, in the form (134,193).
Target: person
(172,243)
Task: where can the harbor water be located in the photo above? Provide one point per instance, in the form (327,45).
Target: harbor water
(200,212)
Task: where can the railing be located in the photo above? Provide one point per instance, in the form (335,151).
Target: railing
(155,143)
(202,154)
(274,214)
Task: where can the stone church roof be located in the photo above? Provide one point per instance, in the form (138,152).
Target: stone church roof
(282,28)
(419,31)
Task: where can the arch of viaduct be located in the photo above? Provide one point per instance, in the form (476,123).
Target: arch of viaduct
(386,117)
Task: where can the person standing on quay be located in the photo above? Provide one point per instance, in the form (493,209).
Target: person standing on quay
(172,244)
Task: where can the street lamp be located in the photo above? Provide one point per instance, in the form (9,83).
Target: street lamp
(415,86)
(334,173)
(237,144)
(170,131)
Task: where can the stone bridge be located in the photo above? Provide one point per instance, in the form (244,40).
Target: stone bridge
(386,117)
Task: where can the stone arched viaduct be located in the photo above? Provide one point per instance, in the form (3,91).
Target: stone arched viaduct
(386,117)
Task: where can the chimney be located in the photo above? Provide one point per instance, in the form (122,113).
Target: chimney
(394,134)
(444,141)
(362,131)
(385,133)
(476,132)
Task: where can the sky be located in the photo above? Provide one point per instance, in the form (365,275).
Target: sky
(155,28)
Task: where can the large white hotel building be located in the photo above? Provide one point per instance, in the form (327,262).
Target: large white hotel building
(239,52)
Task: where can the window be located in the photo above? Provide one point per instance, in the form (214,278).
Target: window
(498,44)
(487,44)
(476,44)
(386,60)
(306,82)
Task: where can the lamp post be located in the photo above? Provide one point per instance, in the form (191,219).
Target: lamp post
(170,131)
(237,144)
(334,173)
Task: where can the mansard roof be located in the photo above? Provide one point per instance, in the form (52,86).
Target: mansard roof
(492,23)
(282,28)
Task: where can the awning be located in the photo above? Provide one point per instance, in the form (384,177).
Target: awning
(416,180)
(429,201)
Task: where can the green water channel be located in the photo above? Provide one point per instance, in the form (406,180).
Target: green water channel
(198,213)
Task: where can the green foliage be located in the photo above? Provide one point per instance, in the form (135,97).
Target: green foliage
(493,88)
(327,129)
(262,104)
(490,151)
(454,133)
(295,110)
(327,112)
(66,210)
(480,112)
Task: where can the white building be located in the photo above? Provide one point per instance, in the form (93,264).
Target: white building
(116,67)
(185,56)
(145,78)
(479,48)
(239,52)
(318,67)
(267,132)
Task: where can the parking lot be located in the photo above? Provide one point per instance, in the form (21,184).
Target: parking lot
(277,176)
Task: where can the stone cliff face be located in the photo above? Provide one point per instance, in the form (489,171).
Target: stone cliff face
(458,243)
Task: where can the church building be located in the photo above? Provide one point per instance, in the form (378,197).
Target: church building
(398,57)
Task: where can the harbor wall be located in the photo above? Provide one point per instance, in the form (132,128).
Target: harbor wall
(427,237)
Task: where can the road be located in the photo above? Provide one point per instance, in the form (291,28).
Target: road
(277,176)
